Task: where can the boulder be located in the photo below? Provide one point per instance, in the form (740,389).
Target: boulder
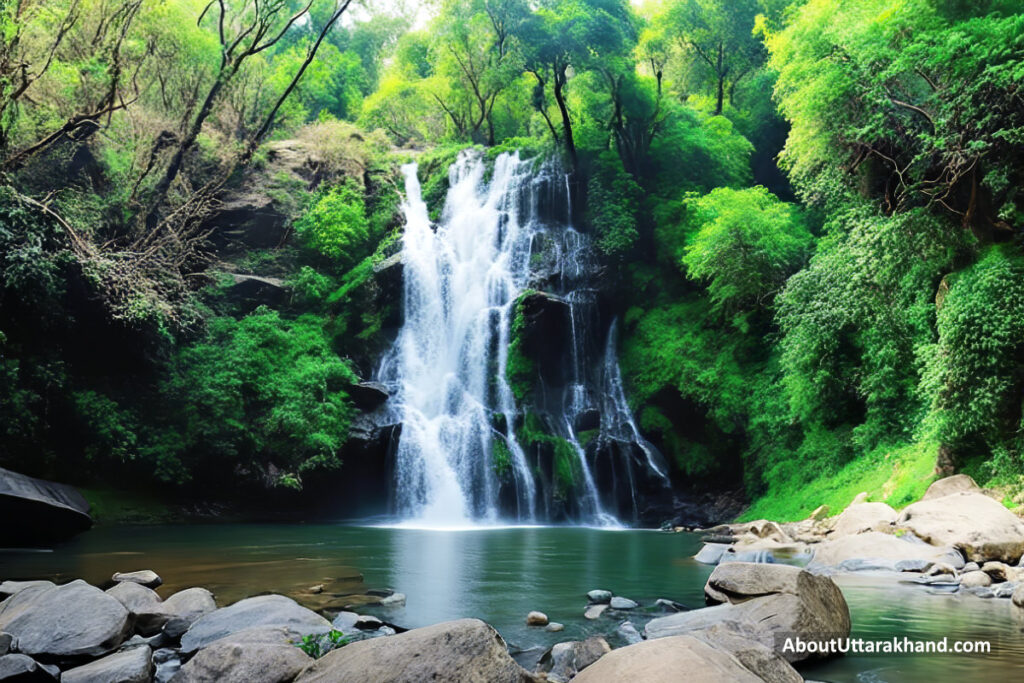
(463,650)
(599,597)
(565,660)
(127,666)
(368,396)
(264,653)
(1018,596)
(971,567)
(623,603)
(143,604)
(975,524)
(9,588)
(536,619)
(144,577)
(264,610)
(975,580)
(668,660)
(742,644)
(190,604)
(594,611)
(711,553)
(765,600)
(863,517)
(999,571)
(73,620)
(45,510)
(23,669)
(885,549)
(950,485)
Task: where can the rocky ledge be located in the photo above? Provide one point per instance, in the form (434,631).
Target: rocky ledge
(957,538)
(78,633)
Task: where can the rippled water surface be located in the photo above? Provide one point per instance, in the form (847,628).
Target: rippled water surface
(500,574)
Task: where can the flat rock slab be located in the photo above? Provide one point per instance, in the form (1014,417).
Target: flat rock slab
(266,654)
(463,650)
(264,610)
(45,510)
(128,666)
(884,550)
(861,517)
(73,620)
(972,522)
(668,660)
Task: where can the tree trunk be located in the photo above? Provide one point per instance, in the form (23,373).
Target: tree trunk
(721,80)
(570,144)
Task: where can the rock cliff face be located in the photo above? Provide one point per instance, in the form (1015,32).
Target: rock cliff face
(43,510)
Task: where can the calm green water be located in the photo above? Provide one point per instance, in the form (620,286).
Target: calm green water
(501,574)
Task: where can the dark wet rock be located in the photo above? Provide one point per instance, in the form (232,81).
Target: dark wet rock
(73,620)
(463,650)
(249,292)
(18,668)
(545,317)
(368,396)
(564,660)
(664,661)
(366,622)
(167,663)
(129,666)
(264,610)
(599,597)
(587,420)
(267,654)
(44,510)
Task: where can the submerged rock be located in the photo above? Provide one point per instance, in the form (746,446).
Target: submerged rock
(627,631)
(463,650)
(554,627)
(595,611)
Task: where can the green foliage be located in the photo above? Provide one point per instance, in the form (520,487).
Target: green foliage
(336,225)
(501,457)
(566,470)
(316,645)
(613,201)
(746,245)
(520,370)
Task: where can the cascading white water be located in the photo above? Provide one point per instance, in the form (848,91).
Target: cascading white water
(447,368)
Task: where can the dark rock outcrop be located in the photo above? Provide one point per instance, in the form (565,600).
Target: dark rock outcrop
(44,510)
(368,396)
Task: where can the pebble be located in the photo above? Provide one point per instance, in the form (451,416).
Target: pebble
(536,619)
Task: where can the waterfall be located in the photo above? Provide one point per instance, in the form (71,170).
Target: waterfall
(447,368)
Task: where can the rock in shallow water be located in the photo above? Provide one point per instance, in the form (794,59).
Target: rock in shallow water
(129,666)
(599,597)
(565,660)
(143,577)
(595,611)
(623,603)
(73,620)
(536,619)
(711,553)
(463,650)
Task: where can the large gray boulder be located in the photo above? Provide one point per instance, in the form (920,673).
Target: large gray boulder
(44,510)
(862,517)
(981,528)
(24,669)
(190,604)
(765,600)
(950,485)
(463,650)
(73,620)
(143,604)
(265,653)
(264,610)
(127,666)
(668,660)
(880,551)
(741,642)
(565,660)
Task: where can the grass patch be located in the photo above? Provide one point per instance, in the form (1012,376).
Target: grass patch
(894,475)
(109,506)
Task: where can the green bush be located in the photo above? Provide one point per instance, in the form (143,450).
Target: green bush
(336,225)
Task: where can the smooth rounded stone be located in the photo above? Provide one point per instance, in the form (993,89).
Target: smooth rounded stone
(741,643)
(863,517)
(22,668)
(145,577)
(536,619)
(999,571)
(73,620)
(9,588)
(627,631)
(367,622)
(264,653)
(971,567)
(393,600)
(463,650)
(667,605)
(143,604)
(766,600)
(950,485)
(554,627)
(623,603)
(667,660)
(129,666)
(973,523)
(566,660)
(263,610)
(1018,596)
(939,568)
(595,611)
(190,604)
(6,643)
(167,663)
(975,579)
(599,597)
(345,622)
(883,549)
(711,553)
(919,566)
